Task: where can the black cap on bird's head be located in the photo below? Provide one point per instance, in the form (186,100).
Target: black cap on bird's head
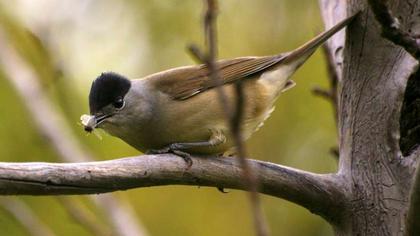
(105,89)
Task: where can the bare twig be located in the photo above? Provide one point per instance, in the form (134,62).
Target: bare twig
(392,30)
(322,93)
(234,119)
(330,94)
(209,58)
(335,152)
(197,54)
(322,194)
(248,172)
(53,126)
(333,80)
(26,217)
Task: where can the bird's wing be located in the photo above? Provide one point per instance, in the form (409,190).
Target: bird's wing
(185,82)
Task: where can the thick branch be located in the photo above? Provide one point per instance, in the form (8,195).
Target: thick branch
(413,227)
(371,92)
(391,28)
(320,194)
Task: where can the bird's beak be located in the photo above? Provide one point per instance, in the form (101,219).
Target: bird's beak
(90,122)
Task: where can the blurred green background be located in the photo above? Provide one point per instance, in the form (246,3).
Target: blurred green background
(80,39)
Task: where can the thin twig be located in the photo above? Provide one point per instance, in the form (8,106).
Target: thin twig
(209,59)
(197,54)
(333,80)
(324,93)
(330,94)
(234,119)
(249,173)
(391,28)
(53,126)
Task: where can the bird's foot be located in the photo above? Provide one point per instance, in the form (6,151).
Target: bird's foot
(185,156)
(222,190)
(173,149)
(158,151)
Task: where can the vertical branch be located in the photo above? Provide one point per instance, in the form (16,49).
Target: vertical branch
(211,41)
(234,118)
(330,94)
(391,30)
(333,81)
(249,175)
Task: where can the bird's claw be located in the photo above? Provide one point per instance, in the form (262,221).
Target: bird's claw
(186,156)
(173,149)
(222,190)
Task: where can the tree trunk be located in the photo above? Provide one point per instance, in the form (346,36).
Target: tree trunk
(378,178)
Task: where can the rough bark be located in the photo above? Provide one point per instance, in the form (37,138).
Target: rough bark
(374,78)
(322,194)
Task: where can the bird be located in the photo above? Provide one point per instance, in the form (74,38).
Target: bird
(178,110)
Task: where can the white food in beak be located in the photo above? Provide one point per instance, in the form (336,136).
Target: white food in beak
(88,121)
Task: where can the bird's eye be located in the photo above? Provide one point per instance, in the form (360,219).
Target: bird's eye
(119,103)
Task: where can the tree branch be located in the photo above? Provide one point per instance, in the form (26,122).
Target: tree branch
(321,194)
(391,28)
(330,94)
(371,92)
(233,115)
(413,227)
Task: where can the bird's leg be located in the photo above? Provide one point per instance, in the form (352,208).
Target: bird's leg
(217,137)
(168,149)
(222,190)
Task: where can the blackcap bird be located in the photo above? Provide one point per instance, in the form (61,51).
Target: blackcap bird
(179,109)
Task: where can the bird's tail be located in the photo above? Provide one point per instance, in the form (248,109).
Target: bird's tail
(278,76)
(302,53)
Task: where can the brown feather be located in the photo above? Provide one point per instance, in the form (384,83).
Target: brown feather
(185,82)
